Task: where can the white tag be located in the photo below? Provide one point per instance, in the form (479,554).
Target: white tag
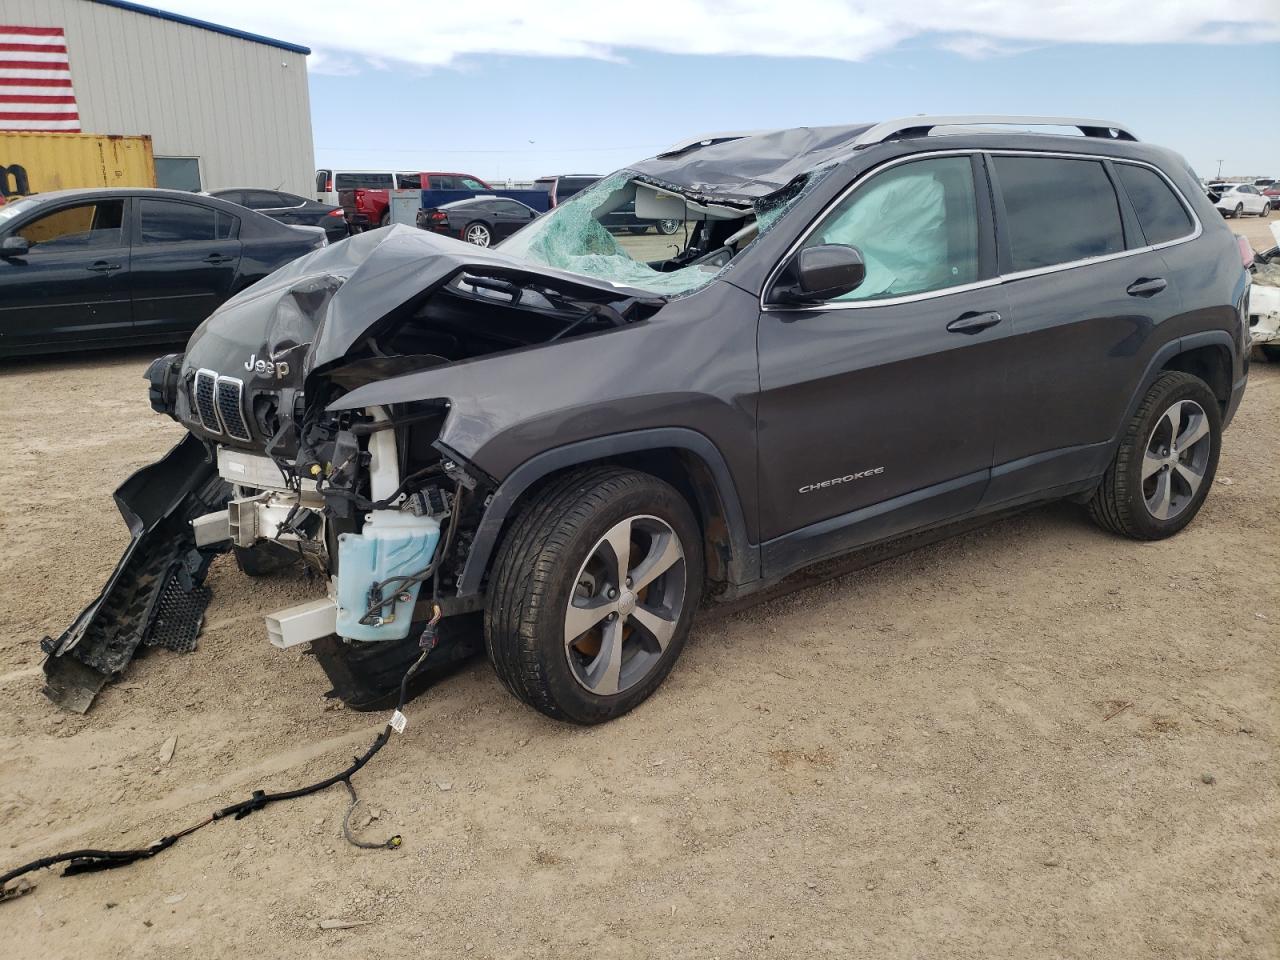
(399,721)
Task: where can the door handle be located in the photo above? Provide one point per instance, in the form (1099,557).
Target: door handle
(101,266)
(1146,287)
(974,322)
(216,258)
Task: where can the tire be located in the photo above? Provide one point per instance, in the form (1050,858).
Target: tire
(637,230)
(534,588)
(1238,212)
(668,227)
(1122,502)
(1266,211)
(385,219)
(264,559)
(478,233)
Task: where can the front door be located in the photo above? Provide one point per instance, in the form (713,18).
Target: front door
(72,284)
(185,259)
(877,410)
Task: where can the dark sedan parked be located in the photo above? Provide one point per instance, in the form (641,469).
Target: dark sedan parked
(483,221)
(83,268)
(291,209)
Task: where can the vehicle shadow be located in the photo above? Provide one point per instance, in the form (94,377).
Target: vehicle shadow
(78,359)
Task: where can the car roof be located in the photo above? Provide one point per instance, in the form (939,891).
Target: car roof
(746,166)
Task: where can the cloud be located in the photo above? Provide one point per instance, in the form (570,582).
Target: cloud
(373,33)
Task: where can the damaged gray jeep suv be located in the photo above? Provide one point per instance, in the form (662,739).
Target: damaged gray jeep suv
(857,333)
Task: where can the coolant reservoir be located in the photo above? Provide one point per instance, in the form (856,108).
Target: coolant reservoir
(393,543)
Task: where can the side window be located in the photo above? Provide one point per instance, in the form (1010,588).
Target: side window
(261,199)
(916,226)
(168,221)
(1059,211)
(409,181)
(1160,213)
(322,180)
(469,184)
(368,181)
(289,200)
(228,227)
(76,228)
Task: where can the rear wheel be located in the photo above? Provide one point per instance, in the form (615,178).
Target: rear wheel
(1238,212)
(593,594)
(385,219)
(1166,461)
(668,227)
(478,233)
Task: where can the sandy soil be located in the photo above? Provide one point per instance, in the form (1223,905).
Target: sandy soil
(1035,740)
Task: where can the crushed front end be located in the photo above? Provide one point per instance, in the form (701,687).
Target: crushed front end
(367,500)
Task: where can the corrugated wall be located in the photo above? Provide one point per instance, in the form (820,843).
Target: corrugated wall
(242,107)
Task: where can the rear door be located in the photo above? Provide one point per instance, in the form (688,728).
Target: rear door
(184,263)
(72,286)
(1088,297)
(877,410)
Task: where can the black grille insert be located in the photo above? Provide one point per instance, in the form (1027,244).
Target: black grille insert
(230,408)
(204,401)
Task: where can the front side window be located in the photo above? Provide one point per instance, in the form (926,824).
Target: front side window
(1058,210)
(1160,213)
(169,221)
(916,226)
(76,228)
(469,184)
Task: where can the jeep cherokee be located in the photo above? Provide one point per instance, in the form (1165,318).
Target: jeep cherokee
(857,333)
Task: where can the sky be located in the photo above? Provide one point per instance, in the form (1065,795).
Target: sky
(513,90)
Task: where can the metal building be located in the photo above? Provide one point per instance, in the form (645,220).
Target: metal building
(223,108)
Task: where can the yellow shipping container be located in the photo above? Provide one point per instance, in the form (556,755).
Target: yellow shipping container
(40,162)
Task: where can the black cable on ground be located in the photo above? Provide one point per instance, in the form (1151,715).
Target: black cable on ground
(90,860)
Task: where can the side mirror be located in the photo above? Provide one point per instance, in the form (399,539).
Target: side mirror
(821,273)
(14,247)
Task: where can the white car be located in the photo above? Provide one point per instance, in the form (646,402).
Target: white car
(1264,300)
(1235,199)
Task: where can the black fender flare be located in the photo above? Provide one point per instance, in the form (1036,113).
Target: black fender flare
(744,561)
(1166,353)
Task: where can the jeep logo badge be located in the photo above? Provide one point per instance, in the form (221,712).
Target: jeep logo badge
(266,368)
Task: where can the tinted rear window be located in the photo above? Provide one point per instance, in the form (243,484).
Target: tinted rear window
(167,221)
(1160,213)
(1058,211)
(368,181)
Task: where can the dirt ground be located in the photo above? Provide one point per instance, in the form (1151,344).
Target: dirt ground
(1035,740)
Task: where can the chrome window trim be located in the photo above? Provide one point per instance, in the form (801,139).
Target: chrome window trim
(216,427)
(991,281)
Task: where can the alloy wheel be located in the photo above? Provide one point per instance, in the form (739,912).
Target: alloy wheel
(1176,457)
(626,603)
(478,234)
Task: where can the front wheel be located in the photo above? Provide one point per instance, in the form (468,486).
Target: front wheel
(1266,210)
(593,594)
(1165,463)
(1238,212)
(668,227)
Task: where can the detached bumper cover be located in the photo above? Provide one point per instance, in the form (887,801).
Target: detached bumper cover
(156,595)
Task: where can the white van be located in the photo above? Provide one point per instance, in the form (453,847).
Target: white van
(329,182)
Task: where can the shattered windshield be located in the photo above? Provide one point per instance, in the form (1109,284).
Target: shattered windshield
(628,231)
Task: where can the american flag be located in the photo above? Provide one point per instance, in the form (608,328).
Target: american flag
(35,80)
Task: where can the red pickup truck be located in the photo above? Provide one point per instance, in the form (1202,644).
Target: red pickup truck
(367,207)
